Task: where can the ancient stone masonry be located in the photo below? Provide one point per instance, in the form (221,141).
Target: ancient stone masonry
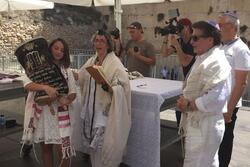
(75,24)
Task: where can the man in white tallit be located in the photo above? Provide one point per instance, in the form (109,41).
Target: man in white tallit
(204,98)
(106,113)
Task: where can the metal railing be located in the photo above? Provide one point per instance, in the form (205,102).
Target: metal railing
(80,56)
(172,65)
(246,95)
(10,63)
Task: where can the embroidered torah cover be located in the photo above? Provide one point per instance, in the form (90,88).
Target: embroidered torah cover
(35,58)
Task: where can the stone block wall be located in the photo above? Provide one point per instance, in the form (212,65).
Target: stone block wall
(77,24)
(74,24)
(194,9)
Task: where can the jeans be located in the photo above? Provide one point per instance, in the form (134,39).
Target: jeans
(226,146)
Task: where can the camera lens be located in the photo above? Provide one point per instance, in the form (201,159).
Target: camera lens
(136,49)
(180,27)
(115,33)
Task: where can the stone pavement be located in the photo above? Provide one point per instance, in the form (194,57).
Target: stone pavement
(170,157)
(241,149)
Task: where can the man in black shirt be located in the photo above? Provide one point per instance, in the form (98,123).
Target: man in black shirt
(182,47)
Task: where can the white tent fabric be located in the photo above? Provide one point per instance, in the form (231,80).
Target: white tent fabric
(73,2)
(123,2)
(8,5)
(103,2)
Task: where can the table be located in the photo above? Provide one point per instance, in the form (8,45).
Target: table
(149,96)
(12,90)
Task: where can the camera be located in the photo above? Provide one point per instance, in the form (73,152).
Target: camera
(170,29)
(136,49)
(116,33)
(173,27)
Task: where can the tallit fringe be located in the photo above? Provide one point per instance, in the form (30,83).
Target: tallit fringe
(68,152)
(28,136)
(29,140)
(183,125)
(34,151)
(61,162)
(194,118)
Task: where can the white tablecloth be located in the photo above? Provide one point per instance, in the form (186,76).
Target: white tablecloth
(148,94)
(143,148)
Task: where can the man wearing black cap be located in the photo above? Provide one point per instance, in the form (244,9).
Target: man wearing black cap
(183,49)
(238,55)
(140,53)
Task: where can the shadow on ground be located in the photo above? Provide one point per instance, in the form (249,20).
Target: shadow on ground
(10,152)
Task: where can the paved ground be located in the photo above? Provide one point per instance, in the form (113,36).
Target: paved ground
(241,149)
(170,157)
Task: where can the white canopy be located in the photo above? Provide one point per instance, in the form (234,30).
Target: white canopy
(7,5)
(103,2)
(123,2)
(73,2)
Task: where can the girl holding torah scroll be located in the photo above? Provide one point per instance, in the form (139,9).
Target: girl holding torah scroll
(50,123)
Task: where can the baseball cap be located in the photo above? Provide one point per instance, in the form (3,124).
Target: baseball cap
(135,25)
(185,22)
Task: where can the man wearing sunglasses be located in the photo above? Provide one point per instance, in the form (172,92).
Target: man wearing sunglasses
(204,99)
(182,47)
(238,55)
(140,53)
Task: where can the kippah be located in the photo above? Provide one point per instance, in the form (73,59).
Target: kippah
(214,24)
(232,14)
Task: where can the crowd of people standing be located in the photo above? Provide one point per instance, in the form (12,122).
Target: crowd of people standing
(215,65)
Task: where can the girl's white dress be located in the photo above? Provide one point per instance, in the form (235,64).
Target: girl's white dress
(40,125)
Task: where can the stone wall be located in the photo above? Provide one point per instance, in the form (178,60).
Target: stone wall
(77,24)
(196,10)
(74,24)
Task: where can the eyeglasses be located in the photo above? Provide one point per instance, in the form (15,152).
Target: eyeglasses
(221,25)
(195,38)
(100,41)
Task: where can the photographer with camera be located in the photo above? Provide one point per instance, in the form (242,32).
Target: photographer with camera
(117,44)
(140,53)
(181,46)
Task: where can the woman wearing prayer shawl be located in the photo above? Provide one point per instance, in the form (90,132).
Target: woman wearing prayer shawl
(50,124)
(106,112)
(204,98)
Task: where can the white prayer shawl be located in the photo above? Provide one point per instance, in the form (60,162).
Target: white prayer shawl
(209,70)
(119,115)
(31,116)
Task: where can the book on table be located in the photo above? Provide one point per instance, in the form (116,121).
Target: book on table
(97,73)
